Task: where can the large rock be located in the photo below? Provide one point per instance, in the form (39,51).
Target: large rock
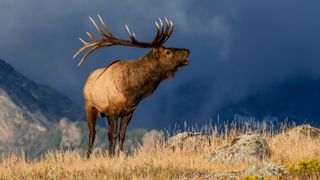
(250,148)
(188,140)
(266,170)
(202,175)
(151,139)
(261,170)
(302,132)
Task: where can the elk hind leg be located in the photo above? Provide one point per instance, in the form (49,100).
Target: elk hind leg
(123,127)
(91,119)
(112,133)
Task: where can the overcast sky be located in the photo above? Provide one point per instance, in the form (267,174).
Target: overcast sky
(237,47)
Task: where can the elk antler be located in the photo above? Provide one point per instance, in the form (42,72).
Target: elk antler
(108,39)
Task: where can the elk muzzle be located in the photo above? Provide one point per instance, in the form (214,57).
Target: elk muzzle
(185,53)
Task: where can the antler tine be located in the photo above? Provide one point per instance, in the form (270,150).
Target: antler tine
(164,34)
(167,22)
(167,25)
(158,28)
(158,33)
(132,35)
(90,36)
(85,45)
(79,51)
(161,24)
(129,32)
(170,31)
(87,54)
(83,41)
(105,27)
(97,27)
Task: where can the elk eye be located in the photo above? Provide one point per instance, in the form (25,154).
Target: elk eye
(168,52)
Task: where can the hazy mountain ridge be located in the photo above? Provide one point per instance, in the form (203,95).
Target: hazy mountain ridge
(36,97)
(29,114)
(22,129)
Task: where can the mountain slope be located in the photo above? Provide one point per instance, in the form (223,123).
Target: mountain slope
(31,115)
(35,97)
(22,129)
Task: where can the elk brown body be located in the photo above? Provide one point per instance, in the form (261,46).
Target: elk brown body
(115,91)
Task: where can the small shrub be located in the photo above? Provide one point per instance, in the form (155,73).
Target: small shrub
(308,166)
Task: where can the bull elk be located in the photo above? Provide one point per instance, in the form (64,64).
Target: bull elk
(116,90)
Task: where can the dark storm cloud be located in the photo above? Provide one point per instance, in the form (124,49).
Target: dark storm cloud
(237,48)
(271,42)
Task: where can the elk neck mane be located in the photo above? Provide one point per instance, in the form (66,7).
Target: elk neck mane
(145,74)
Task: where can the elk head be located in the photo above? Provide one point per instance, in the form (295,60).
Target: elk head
(170,59)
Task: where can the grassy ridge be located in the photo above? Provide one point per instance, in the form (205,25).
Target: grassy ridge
(160,162)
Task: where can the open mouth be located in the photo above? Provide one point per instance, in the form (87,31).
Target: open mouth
(185,62)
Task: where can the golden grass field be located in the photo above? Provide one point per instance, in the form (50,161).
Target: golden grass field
(161,162)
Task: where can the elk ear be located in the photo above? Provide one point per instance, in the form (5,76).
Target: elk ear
(155,53)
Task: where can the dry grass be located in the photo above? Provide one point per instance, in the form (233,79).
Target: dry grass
(290,149)
(159,163)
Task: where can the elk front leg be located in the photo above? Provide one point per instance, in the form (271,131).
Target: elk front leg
(91,119)
(123,126)
(112,133)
